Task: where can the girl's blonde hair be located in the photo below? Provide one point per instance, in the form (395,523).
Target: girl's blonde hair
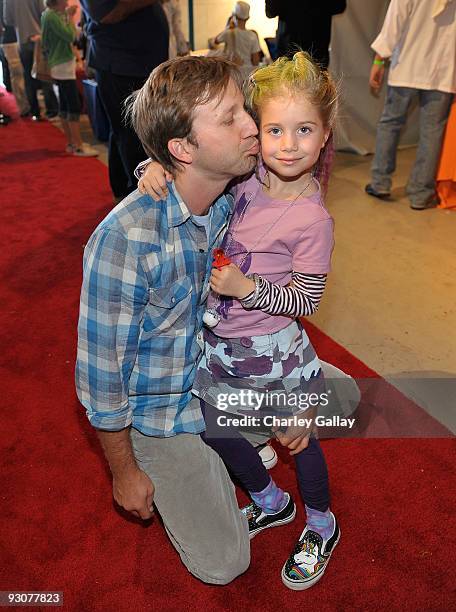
(299,76)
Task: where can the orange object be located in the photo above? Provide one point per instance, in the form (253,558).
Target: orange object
(220,259)
(446,174)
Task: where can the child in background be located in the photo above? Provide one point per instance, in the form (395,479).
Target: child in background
(58,34)
(241,45)
(279,242)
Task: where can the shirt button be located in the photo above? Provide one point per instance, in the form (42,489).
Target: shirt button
(173,300)
(246,342)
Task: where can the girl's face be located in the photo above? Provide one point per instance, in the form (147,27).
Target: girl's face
(292,135)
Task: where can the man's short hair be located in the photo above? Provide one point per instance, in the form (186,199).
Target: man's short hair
(164,107)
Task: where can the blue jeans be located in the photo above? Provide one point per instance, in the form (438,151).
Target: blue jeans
(434,110)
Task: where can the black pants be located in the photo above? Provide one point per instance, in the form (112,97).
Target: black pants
(125,149)
(32,85)
(69,104)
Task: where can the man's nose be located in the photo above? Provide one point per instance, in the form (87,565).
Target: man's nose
(250,128)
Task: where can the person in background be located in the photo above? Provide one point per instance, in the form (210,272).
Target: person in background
(58,34)
(420,38)
(127,40)
(178,45)
(242,44)
(305,25)
(16,72)
(25,17)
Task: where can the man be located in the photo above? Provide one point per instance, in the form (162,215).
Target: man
(127,40)
(25,17)
(146,272)
(305,25)
(420,38)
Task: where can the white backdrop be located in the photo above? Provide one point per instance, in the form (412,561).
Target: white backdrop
(351,59)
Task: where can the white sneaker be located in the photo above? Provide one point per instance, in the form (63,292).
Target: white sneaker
(268,456)
(85,151)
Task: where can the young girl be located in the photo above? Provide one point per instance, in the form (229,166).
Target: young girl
(58,34)
(279,242)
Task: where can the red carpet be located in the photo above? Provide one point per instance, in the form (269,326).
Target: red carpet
(59,531)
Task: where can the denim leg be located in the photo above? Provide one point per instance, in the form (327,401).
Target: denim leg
(434,110)
(388,131)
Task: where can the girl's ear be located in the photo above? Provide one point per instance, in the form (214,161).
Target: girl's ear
(326,137)
(181,149)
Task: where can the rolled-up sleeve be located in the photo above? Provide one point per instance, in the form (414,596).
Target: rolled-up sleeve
(113,297)
(393,27)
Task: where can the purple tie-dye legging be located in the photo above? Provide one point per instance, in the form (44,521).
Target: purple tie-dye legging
(244,462)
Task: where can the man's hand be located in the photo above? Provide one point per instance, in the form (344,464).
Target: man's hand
(134,491)
(296,438)
(231,281)
(376,77)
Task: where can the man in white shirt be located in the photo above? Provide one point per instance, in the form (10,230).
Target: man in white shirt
(242,44)
(419,38)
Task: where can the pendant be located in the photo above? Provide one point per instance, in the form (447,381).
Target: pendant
(211,317)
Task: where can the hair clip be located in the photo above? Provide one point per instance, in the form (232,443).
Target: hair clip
(252,80)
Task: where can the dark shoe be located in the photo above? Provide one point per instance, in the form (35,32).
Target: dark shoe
(4,119)
(431,203)
(259,520)
(381,195)
(309,559)
(36,118)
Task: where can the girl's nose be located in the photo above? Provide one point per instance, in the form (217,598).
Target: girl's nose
(288,143)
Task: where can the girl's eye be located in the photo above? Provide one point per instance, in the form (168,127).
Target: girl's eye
(274,131)
(304,130)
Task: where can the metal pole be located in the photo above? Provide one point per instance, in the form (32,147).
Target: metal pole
(191,30)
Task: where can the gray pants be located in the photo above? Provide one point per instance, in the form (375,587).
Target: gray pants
(434,110)
(197,503)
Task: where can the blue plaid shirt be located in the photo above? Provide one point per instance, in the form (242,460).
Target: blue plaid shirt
(146,273)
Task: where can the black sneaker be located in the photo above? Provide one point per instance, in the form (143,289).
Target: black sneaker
(381,195)
(259,520)
(307,563)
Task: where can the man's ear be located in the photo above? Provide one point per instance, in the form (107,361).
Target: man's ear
(181,149)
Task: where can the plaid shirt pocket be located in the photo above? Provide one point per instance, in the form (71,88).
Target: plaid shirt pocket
(169,308)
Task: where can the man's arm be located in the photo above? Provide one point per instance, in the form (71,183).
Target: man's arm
(393,27)
(113,298)
(132,488)
(124,9)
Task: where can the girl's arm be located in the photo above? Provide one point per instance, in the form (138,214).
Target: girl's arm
(152,179)
(299,300)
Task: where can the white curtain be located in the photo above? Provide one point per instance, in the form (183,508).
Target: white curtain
(351,60)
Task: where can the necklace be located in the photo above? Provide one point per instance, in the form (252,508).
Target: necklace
(211,317)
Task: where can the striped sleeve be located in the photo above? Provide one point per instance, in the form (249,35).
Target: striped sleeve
(300,299)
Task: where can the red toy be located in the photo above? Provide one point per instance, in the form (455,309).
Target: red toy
(220,259)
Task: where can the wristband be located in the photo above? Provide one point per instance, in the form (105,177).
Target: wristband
(378,62)
(253,296)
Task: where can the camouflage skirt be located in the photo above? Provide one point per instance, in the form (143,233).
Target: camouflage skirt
(257,367)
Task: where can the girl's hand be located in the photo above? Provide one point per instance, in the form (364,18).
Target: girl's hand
(231,281)
(153,181)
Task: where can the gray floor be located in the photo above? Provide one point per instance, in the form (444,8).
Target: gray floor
(391,297)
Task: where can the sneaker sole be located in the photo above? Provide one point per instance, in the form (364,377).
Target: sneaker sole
(302,586)
(284,521)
